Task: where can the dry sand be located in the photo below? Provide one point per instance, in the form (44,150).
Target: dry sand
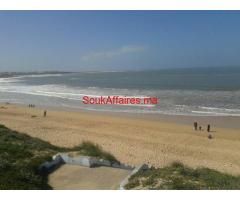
(135,139)
(73,177)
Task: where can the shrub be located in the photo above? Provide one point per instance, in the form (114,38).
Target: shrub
(180,177)
(94,150)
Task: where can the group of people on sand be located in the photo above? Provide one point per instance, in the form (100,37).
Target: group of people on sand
(31,106)
(196,127)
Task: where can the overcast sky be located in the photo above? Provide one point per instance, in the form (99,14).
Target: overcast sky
(118,40)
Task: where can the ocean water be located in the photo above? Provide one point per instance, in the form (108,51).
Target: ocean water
(196,91)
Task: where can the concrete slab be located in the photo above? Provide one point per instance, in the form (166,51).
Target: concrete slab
(74,177)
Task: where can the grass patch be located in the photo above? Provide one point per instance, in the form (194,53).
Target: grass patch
(21,156)
(94,150)
(180,177)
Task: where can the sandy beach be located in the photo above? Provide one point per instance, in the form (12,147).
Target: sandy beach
(135,139)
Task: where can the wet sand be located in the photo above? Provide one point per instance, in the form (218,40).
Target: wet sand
(134,139)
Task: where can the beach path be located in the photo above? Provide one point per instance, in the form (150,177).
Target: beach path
(71,177)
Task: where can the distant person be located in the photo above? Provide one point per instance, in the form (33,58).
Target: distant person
(208,128)
(200,128)
(210,136)
(195,125)
(45,113)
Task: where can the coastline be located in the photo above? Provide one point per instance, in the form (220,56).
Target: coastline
(156,140)
(232,122)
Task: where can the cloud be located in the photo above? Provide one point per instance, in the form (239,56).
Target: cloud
(124,50)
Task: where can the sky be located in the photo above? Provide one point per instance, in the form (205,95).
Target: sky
(118,40)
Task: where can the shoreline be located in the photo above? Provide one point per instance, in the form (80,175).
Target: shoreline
(232,122)
(135,139)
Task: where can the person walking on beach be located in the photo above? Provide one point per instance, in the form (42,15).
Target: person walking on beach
(208,128)
(45,113)
(195,126)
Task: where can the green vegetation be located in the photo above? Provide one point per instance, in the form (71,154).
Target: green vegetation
(21,156)
(94,150)
(179,177)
